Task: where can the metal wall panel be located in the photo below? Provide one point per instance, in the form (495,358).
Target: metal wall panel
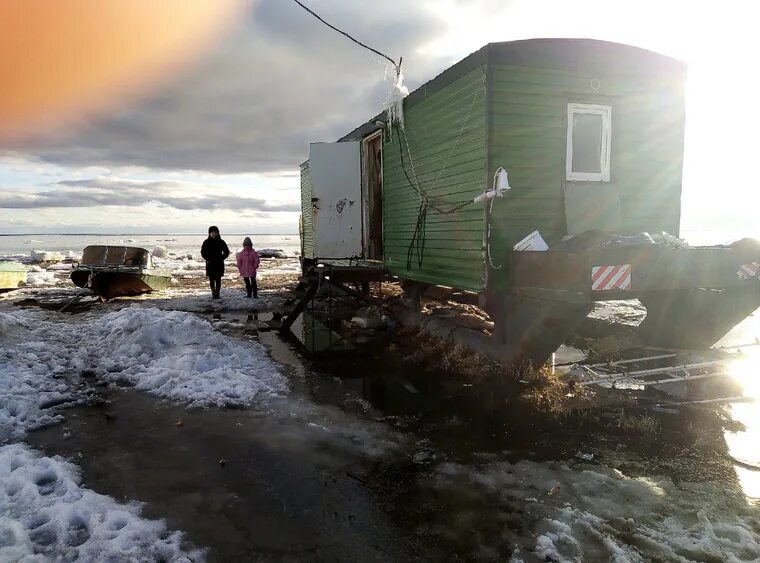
(335,170)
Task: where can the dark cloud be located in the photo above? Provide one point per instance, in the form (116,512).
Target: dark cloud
(129,193)
(282,81)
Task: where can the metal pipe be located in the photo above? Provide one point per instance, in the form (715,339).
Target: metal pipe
(632,361)
(654,371)
(684,378)
(685,367)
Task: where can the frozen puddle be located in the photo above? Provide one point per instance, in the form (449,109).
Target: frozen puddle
(171,354)
(551,512)
(45,513)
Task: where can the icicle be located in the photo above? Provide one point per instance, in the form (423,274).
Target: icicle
(394,103)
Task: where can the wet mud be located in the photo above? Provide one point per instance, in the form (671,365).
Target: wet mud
(252,485)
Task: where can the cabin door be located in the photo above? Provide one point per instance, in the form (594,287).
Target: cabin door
(336,197)
(373,195)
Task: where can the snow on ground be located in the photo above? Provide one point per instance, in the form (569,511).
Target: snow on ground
(33,374)
(36,276)
(232,299)
(45,513)
(61,267)
(178,356)
(172,354)
(283,267)
(594,514)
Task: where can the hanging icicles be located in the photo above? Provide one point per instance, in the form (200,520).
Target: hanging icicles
(394,103)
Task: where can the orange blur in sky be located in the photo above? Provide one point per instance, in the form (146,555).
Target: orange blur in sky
(62,61)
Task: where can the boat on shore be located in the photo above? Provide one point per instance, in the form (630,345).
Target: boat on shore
(12,276)
(119,271)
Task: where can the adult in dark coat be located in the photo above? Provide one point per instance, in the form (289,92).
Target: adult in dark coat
(214,251)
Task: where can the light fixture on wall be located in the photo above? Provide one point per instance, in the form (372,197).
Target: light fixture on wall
(500,185)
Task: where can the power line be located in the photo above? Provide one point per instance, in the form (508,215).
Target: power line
(397,65)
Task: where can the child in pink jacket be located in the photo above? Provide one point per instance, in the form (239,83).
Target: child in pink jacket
(248,262)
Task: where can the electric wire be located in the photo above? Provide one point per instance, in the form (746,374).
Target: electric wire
(417,242)
(397,65)
(418,237)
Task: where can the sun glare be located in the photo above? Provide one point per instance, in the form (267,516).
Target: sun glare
(743,446)
(720,196)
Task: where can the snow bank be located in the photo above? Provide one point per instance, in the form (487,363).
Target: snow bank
(174,355)
(46,513)
(179,356)
(33,374)
(160,252)
(594,515)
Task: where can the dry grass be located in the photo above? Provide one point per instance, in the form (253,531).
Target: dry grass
(639,424)
(538,387)
(419,349)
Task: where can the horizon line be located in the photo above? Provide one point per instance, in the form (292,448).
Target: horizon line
(134,234)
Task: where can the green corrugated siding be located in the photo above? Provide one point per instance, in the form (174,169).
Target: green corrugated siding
(307,213)
(447,141)
(528,137)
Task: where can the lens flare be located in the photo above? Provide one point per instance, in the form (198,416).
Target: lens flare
(744,446)
(62,61)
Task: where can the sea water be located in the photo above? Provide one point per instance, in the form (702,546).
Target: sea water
(22,245)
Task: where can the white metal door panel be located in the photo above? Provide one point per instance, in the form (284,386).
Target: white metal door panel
(336,186)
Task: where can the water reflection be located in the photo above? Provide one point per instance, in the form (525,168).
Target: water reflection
(744,446)
(316,337)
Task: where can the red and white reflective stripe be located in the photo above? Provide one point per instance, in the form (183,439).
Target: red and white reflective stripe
(606,278)
(747,271)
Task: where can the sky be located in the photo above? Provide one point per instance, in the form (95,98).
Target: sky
(220,141)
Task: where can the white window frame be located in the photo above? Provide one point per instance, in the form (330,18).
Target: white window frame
(593,109)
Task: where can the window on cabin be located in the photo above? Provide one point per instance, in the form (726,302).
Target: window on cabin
(589,138)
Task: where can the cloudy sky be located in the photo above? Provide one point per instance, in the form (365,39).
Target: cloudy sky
(220,142)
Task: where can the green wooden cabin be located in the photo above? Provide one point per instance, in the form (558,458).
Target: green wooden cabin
(590,132)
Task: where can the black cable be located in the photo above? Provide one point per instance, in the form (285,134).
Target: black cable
(417,241)
(420,192)
(397,65)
